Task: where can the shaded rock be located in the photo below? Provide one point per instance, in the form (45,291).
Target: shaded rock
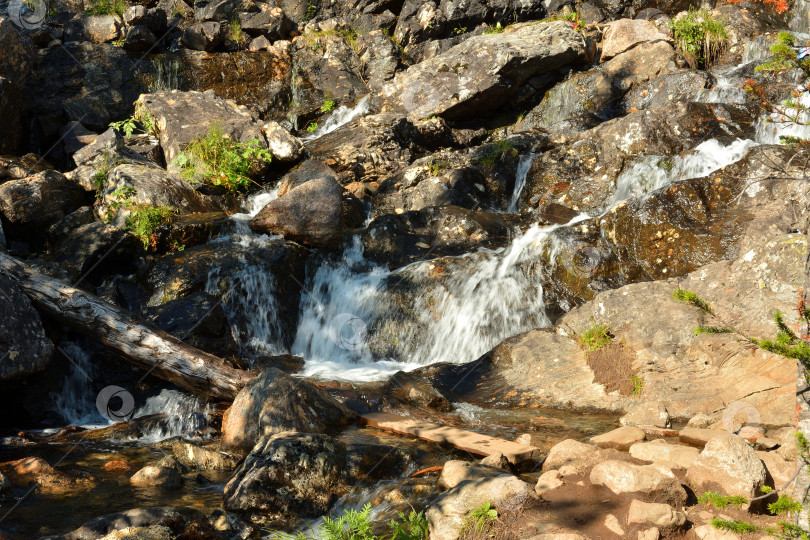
(620,438)
(482,72)
(417,391)
(653,482)
(259,44)
(285,146)
(662,453)
(779,470)
(17,59)
(5,487)
(24,347)
(93,28)
(577,456)
(379,57)
(624,34)
(34,471)
(273,403)
(548,481)
(103,145)
(289,475)
(75,137)
(663,516)
(680,85)
(36,202)
(138,517)
(448,513)
(649,413)
(376,462)
(270,21)
(196,457)
(98,248)
(398,239)
(311,213)
(198,318)
(154,19)
(729,466)
(160,477)
(455,472)
(204,36)
(139,38)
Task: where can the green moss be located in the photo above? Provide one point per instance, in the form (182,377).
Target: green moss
(700,38)
(595,337)
(328,105)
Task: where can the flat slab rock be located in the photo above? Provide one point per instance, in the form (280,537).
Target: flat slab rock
(475,443)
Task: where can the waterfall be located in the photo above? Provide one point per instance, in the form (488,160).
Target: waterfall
(339,117)
(523,168)
(184,415)
(166,69)
(77,401)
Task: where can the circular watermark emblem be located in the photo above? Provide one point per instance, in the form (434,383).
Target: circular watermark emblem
(27,14)
(582,260)
(349,332)
(734,414)
(420,98)
(115,404)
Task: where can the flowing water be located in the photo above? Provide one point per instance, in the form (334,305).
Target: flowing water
(523,168)
(339,117)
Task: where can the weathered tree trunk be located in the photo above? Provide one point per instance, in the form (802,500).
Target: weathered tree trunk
(166,356)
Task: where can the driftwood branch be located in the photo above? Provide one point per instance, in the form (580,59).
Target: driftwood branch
(167,357)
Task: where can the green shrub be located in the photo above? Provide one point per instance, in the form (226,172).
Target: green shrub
(144,220)
(739,527)
(722,502)
(107,7)
(481,518)
(784,56)
(352,525)
(787,343)
(411,527)
(328,105)
(313,126)
(217,160)
(638,385)
(595,337)
(682,295)
(700,38)
(235,32)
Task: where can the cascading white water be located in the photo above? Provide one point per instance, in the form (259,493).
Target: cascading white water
(523,168)
(77,401)
(770,128)
(183,415)
(253,206)
(339,117)
(166,73)
(650,173)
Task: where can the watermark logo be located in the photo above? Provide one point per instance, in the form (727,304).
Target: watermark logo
(739,415)
(115,404)
(582,260)
(349,332)
(27,14)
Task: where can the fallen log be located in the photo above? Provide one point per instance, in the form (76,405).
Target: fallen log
(167,357)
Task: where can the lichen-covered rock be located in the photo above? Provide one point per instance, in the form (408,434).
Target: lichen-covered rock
(288,475)
(729,466)
(483,72)
(273,403)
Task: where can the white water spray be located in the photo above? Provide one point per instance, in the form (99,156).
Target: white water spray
(339,117)
(523,168)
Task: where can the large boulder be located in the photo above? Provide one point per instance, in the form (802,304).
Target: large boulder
(729,466)
(93,28)
(46,479)
(24,347)
(311,213)
(157,477)
(34,203)
(651,482)
(572,456)
(17,59)
(177,517)
(273,403)
(483,72)
(625,34)
(181,117)
(289,475)
(448,514)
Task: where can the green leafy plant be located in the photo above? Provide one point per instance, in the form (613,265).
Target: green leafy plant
(459,30)
(328,105)
(732,525)
(699,37)
(784,505)
(107,7)
(638,385)
(482,517)
(127,126)
(235,32)
(312,10)
(722,501)
(595,337)
(144,220)
(783,56)
(683,295)
(218,160)
(497,29)
(313,126)
(352,525)
(437,165)
(712,330)
(787,343)
(414,526)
